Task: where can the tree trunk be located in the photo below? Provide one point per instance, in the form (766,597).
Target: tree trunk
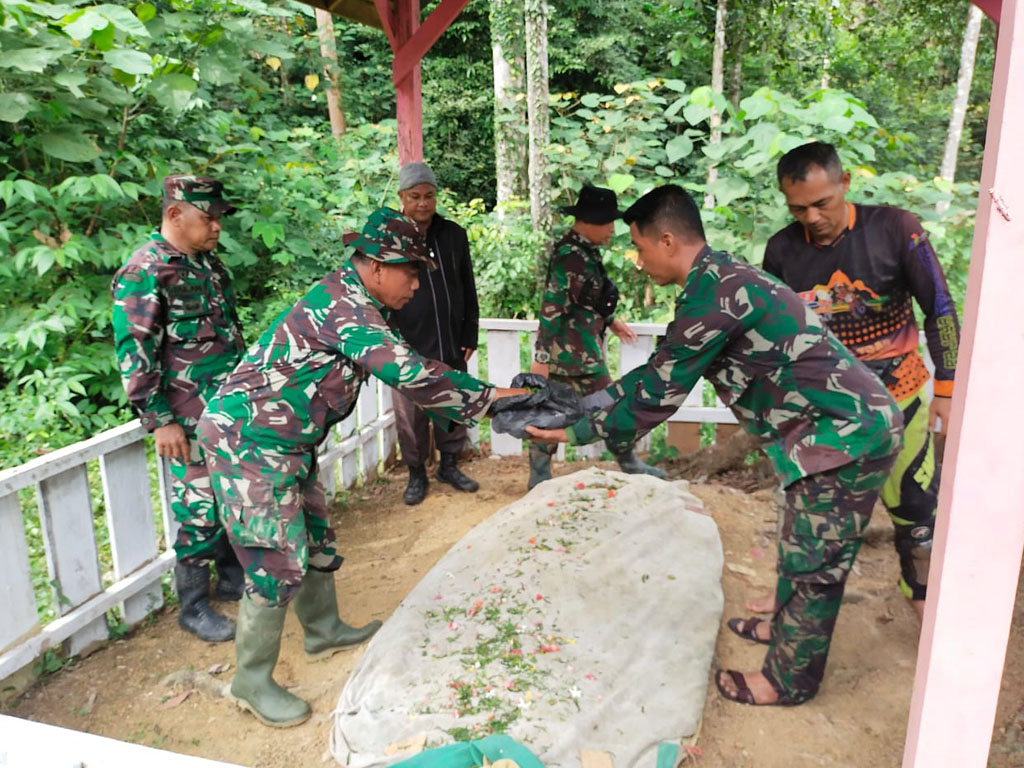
(325,31)
(510,156)
(736,80)
(963,92)
(717,85)
(536,14)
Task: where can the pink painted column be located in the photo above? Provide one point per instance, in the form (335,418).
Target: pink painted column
(980,534)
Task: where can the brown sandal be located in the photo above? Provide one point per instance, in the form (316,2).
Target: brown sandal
(743,694)
(747,629)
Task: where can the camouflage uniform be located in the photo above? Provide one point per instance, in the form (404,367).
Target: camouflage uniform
(570,338)
(303,376)
(177,337)
(827,424)
(571,329)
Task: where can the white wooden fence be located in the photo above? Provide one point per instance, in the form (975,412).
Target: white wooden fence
(141,554)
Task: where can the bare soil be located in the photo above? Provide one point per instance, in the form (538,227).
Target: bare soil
(858,719)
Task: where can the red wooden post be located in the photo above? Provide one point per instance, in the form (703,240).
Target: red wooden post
(408,92)
(410,42)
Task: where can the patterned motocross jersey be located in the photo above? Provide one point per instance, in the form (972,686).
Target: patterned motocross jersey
(863,285)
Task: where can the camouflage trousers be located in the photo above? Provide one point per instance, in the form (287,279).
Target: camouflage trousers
(194,508)
(821,530)
(584,385)
(274,511)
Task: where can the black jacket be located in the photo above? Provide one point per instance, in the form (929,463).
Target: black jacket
(443,314)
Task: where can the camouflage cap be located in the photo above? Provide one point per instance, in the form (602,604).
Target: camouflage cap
(204,193)
(392,238)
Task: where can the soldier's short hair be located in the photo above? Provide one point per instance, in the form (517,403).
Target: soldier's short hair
(669,208)
(798,162)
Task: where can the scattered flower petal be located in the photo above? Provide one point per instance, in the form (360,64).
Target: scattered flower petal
(539,596)
(590,676)
(611,493)
(580,486)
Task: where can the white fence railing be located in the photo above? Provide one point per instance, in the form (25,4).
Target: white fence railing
(140,553)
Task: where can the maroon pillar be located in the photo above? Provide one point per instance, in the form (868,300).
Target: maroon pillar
(408,90)
(410,42)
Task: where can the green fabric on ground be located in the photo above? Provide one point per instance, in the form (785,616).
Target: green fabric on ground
(468,754)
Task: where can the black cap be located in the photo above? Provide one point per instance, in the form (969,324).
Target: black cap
(596,205)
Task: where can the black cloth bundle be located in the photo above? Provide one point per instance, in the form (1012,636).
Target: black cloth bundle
(552,405)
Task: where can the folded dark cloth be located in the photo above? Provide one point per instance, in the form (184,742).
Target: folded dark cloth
(552,405)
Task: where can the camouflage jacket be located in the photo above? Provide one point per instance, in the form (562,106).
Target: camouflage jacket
(571,330)
(789,381)
(304,373)
(176,332)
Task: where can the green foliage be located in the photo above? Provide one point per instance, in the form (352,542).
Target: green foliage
(99,101)
(102,102)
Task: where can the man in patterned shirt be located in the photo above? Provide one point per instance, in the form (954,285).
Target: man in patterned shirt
(827,424)
(860,268)
(262,430)
(177,337)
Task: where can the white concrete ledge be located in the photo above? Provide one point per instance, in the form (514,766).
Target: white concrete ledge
(26,744)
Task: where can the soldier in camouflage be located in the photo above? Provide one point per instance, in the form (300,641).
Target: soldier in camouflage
(261,432)
(177,337)
(577,308)
(828,425)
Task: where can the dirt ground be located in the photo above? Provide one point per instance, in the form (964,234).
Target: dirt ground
(858,719)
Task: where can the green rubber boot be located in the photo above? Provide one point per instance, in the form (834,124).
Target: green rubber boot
(257,644)
(316,605)
(631,464)
(540,466)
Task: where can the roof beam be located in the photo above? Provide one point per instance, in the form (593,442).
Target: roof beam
(388,22)
(990,8)
(416,47)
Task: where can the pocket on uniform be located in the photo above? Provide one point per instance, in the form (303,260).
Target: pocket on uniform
(259,527)
(191,329)
(189,315)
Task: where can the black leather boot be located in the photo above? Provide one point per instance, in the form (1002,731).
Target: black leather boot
(416,490)
(230,576)
(196,615)
(449,473)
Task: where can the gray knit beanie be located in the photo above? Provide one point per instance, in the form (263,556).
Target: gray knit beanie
(412,174)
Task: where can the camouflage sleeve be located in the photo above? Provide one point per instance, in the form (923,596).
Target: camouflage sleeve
(565,282)
(649,394)
(138,337)
(443,393)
